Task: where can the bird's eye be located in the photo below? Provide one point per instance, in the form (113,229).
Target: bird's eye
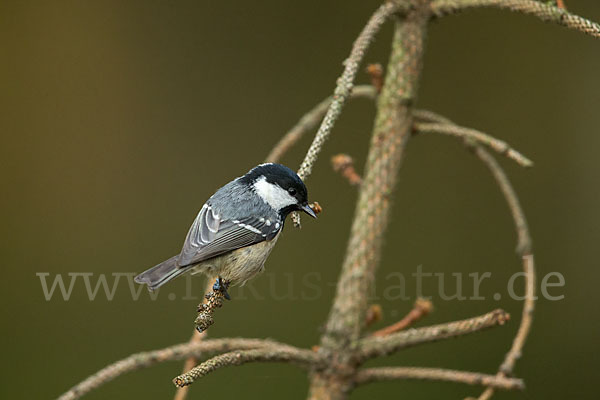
(292,191)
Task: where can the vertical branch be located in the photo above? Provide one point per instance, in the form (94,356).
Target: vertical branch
(391,132)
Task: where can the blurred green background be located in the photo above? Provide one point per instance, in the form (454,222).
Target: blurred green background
(120,118)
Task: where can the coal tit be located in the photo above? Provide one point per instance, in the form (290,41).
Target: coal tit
(236,229)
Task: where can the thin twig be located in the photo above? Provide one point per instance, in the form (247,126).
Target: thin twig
(524,249)
(430,116)
(344,164)
(190,362)
(181,393)
(436,374)
(345,83)
(421,308)
(467,133)
(374,314)
(523,236)
(377,346)
(213,299)
(545,12)
(310,120)
(280,353)
(375,72)
(148,358)
(344,87)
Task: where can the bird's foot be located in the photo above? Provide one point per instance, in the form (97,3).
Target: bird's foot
(221,287)
(214,300)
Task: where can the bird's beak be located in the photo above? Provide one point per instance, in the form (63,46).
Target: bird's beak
(306,208)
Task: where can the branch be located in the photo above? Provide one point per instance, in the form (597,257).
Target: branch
(524,239)
(311,119)
(345,83)
(377,346)
(197,337)
(524,249)
(344,164)
(430,116)
(471,134)
(545,12)
(390,135)
(436,374)
(344,86)
(421,308)
(149,358)
(279,353)
(375,72)
(391,132)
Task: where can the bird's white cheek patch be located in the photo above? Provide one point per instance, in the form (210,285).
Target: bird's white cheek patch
(272,194)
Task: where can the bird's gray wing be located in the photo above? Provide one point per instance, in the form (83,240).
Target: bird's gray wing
(211,236)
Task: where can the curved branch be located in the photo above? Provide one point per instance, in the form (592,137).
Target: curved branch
(311,119)
(345,83)
(471,134)
(280,353)
(524,239)
(148,358)
(521,227)
(524,249)
(430,116)
(545,12)
(377,346)
(436,374)
(344,86)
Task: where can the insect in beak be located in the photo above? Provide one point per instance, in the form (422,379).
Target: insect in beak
(306,208)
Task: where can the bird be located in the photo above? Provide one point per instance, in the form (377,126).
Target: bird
(236,229)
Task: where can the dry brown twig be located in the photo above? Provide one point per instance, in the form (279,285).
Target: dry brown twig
(374,314)
(375,72)
(344,164)
(334,367)
(421,308)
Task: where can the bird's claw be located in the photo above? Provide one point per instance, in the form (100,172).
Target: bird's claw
(221,286)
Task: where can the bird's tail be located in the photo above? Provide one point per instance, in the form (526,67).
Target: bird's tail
(161,273)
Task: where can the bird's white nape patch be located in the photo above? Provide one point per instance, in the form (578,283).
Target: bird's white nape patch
(273,194)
